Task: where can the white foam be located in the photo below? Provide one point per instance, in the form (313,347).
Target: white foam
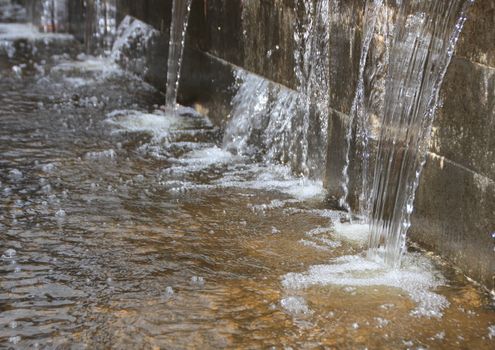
(273,178)
(274,204)
(357,233)
(16,31)
(322,235)
(100,67)
(102,155)
(491,332)
(206,157)
(314,245)
(417,277)
(158,124)
(295,305)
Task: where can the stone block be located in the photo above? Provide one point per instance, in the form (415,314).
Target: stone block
(463,130)
(455,216)
(477,41)
(345,50)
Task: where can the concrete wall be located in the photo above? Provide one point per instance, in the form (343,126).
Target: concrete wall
(455,205)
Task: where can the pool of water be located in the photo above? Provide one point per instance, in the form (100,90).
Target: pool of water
(124,227)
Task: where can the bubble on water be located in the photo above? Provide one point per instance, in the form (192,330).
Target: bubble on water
(48,168)
(381,322)
(15,174)
(314,245)
(169,293)
(295,305)
(197,281)
(15,339)
(60,214)
(491,332)
(17,71)
(387,306)
(440,335)
(9,253)
(102,155)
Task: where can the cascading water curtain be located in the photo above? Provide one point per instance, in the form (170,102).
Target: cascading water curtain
(105,22)
(359,114)
(48,19)
(425,36)
(178,28)
(53,16)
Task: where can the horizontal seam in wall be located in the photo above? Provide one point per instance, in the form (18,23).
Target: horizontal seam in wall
(221,60)
(475,63)
(471,171)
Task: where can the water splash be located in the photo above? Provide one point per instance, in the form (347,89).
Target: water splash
(178,28)
(424,41)
(105,26)
(54,16)
(282,125)
(359,111)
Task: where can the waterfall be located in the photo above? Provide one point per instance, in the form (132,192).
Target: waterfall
(424,40)
(178,28)
(359,113)
(105,23)
(283,125)
(53,16)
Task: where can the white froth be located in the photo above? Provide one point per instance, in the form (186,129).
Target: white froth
(16,31)
(202,158)
(295,305)
(100,66)
(157,124)
(357,233)
(273,178)
(417,277)
(491,332)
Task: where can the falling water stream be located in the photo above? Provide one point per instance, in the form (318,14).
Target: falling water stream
(424,41)
(178,28)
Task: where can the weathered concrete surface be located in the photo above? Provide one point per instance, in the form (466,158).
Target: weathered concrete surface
(455,216)
(465,125)
(477,40)
(346,31)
